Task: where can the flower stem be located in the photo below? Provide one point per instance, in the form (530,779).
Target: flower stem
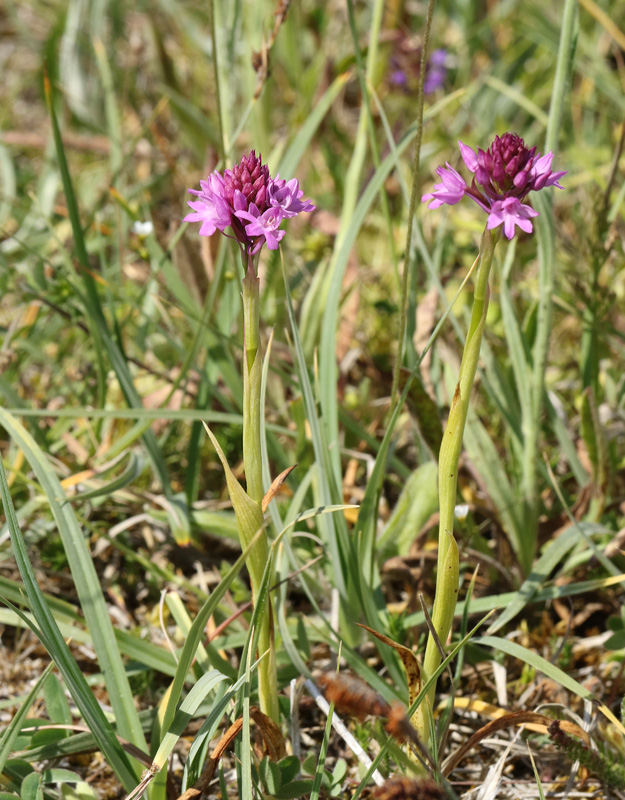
(251,384)
(447,574)
(257,561)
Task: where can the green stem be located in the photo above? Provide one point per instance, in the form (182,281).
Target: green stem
(251,384)
(257,561)
(447,574)
(546,276)
(216,74)
(414,194)
(532,415)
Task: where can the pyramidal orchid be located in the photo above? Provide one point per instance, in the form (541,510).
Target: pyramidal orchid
(246,204)
(249,202)
(503,176)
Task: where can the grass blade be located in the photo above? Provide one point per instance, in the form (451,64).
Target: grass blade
(93,306)
(195,634)
(11,732)
(54,642)
(545,565)
(87,584)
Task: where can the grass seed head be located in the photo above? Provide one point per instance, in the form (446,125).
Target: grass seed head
(353,696)
(404,788)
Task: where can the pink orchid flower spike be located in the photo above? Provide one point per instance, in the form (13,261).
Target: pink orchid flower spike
(503,176)
(249,202)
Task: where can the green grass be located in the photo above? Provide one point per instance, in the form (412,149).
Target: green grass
(118,345)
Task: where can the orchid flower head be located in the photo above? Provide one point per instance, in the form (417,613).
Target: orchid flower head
(249,202)
(503,176)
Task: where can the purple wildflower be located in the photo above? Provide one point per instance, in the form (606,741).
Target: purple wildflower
(405,65)
(435,71)
(503,177)
(249,201)
(399,77)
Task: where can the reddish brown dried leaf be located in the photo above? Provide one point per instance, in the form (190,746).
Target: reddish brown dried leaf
(409,660)
(211,763)
(271,733)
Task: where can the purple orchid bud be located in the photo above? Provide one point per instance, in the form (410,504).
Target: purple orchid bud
(450,191)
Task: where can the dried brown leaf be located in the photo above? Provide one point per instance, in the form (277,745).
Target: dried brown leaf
(538,722)
(409,660)
(271,733)
(275,487)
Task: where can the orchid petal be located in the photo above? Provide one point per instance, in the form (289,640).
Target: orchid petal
(468,156)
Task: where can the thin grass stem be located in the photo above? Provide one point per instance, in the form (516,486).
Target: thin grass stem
(416,187)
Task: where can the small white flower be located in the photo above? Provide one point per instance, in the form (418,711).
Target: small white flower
(143,229)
